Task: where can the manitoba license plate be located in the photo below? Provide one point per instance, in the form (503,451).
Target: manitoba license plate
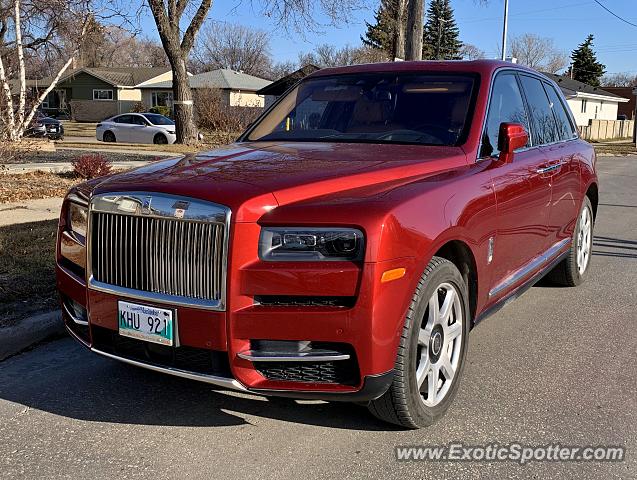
(142,322)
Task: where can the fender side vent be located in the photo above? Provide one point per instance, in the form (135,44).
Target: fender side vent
(303,301)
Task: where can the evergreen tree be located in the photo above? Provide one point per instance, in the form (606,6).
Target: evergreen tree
(585,67)
(381,35)
(440,41)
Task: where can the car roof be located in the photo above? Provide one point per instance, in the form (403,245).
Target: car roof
(483,67)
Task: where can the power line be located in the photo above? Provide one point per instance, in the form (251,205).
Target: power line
(614,14)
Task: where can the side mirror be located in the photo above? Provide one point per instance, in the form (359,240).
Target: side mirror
(511,137)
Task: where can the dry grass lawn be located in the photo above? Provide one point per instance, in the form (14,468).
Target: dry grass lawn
(33,185)
(27,270)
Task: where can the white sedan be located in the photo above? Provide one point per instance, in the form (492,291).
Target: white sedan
(137,128)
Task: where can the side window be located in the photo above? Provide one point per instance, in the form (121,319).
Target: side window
(124,119)
(137,120)
(565,129)
(505,105)
(542,119)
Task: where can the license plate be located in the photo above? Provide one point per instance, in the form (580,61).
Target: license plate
(142,322)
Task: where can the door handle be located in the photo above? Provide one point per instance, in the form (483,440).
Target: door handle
(550,168)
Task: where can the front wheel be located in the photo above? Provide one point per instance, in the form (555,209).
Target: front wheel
(432,350)
(160,139)
(572,271)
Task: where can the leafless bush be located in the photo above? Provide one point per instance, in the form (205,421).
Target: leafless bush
(215,115)
(91,165)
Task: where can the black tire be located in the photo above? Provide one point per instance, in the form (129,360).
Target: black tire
(567,272)
(160,139)
(403,404)
(109,137)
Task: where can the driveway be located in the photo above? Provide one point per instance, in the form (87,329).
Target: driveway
(556,366)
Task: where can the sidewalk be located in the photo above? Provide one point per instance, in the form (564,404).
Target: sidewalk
(57,167)
(29,211)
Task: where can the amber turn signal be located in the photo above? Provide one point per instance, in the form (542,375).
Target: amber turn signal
(393,274)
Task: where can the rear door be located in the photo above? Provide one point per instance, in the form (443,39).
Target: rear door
(139,132)
(566,187)
(523,195)
(121,128)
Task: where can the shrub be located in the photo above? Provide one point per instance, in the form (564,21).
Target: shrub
(161,110)
(214,115)
(138,107)
(91,165)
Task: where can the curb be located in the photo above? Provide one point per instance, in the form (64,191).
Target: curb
(29,332)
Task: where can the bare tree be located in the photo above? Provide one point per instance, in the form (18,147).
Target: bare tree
(30,25)
(619,80)
(413,37)
(169,17)
(538,52)
(471,52)
(233,46)
(330,56)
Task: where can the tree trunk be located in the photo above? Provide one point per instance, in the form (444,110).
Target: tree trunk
(399,33)
(413,45)
(182,104)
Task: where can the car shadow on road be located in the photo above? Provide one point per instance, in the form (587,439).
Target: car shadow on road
(614,247)
(83,386)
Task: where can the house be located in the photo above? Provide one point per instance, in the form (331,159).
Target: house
(237,88)
(627,110)
(587,102)
(92,94)
(274,90)
(97,93)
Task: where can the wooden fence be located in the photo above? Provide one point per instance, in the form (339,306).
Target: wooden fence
(597,130)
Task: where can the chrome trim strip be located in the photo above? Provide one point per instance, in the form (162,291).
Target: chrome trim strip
(171,300)
(256,356)
(74,197)
(228,383)
(76,337)
(73,317)
(550,168)
(71,236)
(162,206)
(525,270)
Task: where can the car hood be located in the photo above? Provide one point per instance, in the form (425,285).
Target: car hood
(252,178)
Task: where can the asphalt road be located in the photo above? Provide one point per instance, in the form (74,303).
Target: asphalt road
(556,366)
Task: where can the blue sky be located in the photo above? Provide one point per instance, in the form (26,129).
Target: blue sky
(568,22)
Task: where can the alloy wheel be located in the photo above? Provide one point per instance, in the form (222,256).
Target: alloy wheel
(584,240)
(439,344)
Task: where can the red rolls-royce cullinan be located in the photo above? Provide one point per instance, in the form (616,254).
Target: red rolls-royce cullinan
(345,245)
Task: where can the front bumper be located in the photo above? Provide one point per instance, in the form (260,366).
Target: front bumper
(362,321)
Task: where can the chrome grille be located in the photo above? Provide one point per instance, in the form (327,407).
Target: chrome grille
(145,253)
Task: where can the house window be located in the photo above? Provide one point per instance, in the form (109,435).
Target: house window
(161,99)
(601,105)
(102,95)
(584,101)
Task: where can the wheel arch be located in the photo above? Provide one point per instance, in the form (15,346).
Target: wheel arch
(593,195)
(460,254)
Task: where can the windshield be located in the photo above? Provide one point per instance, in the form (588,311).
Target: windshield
(157,119)
(428,109)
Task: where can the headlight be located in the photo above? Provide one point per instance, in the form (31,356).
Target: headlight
(310,244)
(78,220)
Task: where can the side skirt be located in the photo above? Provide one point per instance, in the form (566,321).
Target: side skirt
(519,291)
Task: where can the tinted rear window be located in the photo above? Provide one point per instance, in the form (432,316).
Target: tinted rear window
(565,130)
(544,128)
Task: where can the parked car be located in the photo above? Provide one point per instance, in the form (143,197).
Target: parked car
(137,128)
(346,244)
(43,126)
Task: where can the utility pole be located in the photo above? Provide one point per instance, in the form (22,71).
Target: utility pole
(440,22)
(504,30)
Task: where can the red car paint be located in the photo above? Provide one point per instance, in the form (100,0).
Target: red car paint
(409,200)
